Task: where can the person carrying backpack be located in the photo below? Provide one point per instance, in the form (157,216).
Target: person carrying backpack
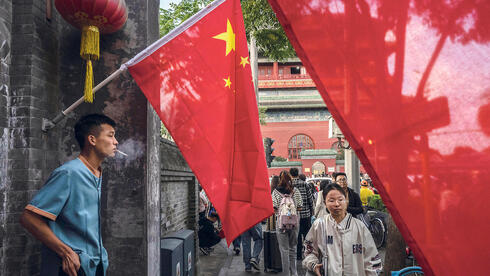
(306,212)
(287,201)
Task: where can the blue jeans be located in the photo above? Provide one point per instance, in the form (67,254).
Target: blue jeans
(254,233)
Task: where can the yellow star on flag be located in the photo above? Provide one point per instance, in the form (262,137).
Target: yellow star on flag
(227,82)
(244,61)
(228,37)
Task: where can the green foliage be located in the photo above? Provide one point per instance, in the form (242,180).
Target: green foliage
(261,22)
(164,133)
(262,115)
(280,159)
(376,202)
(178,13)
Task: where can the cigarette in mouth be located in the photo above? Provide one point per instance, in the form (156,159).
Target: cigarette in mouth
(121,152)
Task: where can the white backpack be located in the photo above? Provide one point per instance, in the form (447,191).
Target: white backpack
(287,216)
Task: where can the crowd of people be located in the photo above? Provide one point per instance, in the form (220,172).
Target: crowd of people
(316,223)
(311,222)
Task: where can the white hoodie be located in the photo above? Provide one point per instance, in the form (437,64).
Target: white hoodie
(349,246)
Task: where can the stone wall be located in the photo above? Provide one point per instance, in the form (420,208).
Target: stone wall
(179,192)
(5,41)
(31,154)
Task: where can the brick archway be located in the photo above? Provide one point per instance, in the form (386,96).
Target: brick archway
(318,168)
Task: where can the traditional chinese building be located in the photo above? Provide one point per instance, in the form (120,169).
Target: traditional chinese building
(296,118)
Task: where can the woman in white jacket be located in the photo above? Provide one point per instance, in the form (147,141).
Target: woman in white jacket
(344,241)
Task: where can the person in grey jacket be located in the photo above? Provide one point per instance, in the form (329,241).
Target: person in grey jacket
(340,242)
(287,239)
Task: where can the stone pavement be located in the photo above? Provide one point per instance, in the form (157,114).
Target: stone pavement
(212,264)
(219,263)
(234,267)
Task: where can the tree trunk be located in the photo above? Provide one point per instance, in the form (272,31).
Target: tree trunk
(395,248)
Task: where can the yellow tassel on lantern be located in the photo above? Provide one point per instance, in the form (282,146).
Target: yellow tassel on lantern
(88,94)
(89,50)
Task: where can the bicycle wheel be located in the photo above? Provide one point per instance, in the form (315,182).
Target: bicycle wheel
(377,230)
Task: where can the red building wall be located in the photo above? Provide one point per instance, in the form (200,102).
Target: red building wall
(308,163)
(282,132)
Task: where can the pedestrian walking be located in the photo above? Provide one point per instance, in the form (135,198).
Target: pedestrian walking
(65,214)
(338,243)
(236,245)
(251,259)
(305,212)
(320,208)
(286,200)
(354,206)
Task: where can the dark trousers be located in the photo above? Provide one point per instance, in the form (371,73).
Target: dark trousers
(51,264)
(304,227)
(100,271)
(237,242)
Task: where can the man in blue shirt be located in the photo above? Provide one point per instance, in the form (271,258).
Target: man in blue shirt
(65,214)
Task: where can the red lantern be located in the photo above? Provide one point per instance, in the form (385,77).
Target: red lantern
(92,17)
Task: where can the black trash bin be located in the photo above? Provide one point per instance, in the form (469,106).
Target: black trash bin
(187,237)
(171,260)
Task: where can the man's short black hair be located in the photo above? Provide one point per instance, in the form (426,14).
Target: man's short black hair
(302,177)
(90,125)
(334,175)
(294,172)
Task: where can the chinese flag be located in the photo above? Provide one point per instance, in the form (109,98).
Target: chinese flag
(408,84)
(198,80)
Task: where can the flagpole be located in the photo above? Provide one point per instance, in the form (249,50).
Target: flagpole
(49,124)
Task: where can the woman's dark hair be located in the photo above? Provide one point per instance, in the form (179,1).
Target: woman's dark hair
(324,184)
(294,172)
(90,125)
(274,182)
(285,181)
(330,187)
(302,177)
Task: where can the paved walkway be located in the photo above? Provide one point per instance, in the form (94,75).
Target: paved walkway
(212,264)
(234,267)
(219,263)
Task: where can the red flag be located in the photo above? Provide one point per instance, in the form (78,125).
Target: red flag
(408,83)
(198,79)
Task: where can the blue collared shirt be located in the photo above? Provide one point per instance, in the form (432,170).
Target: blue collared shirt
(71,200)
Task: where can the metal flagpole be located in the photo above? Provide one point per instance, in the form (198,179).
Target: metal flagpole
(49,124)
